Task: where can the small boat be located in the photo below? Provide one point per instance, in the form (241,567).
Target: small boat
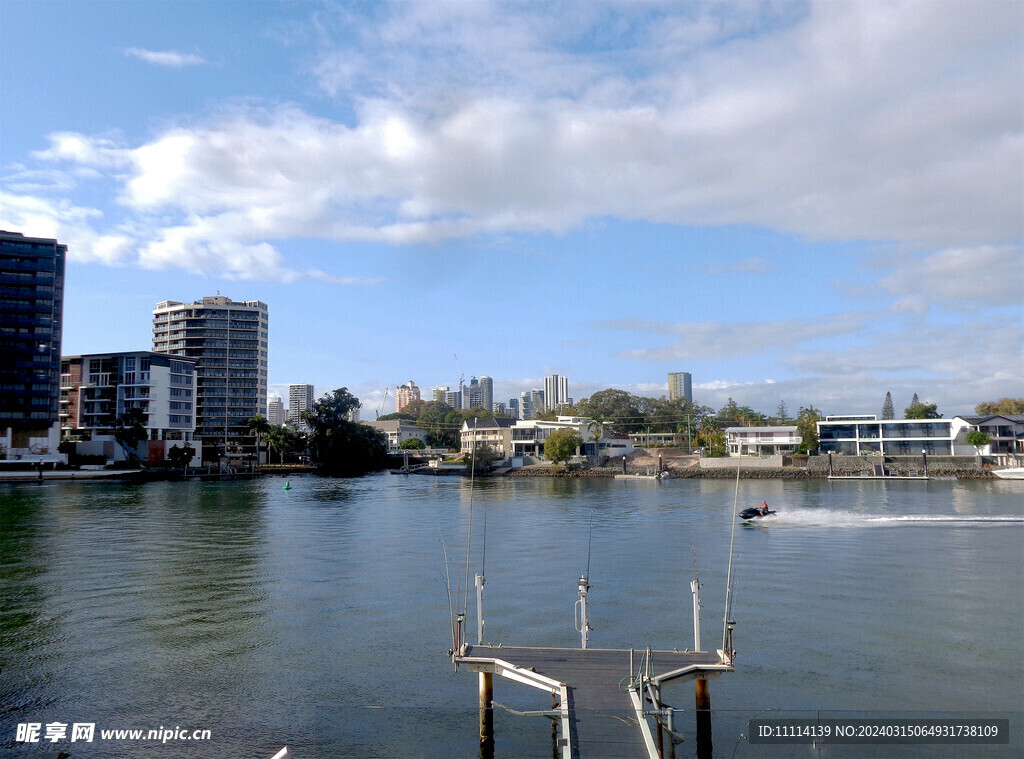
(749,515)
(1015,473)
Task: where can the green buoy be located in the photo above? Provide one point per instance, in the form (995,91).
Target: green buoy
(287,486)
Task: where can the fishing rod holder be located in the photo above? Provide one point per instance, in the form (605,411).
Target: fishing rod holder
(580,618)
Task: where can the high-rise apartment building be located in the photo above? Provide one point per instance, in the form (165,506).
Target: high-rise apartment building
(556,392)
(487,392)
(98,388)
(472,397)
(276,413)
(538,403)
(31,313)
(229,341)
(513,408)
(453,398)
(300,400)
(437,394)
(406,394)
(679,386)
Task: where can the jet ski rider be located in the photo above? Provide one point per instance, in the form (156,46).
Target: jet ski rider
(764,508)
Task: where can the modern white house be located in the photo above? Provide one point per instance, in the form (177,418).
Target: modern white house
(860,435)
(762,441)
(397,432)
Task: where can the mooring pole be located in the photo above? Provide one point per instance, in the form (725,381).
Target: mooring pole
(704,749)
(486,715)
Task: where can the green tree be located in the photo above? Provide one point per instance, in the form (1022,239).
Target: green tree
(615,408)
(888,412)
(782,413)
(561,445)
(1001,407)
(710,437)
(130,430)
(179,457)
(978,439)
(807,425)
(412,444)
(339,446)
(481,459)
(286,441)
(403,415)
(921,411)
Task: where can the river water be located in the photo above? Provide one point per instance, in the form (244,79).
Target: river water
(318,618)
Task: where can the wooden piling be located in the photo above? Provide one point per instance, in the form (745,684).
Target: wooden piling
(704,749)
(486,688)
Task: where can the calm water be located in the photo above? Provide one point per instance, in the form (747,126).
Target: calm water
(318,618)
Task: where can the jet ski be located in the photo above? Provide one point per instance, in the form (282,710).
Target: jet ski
(748,515)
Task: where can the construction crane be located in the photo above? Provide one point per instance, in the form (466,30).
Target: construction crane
(462,376)
(381,406)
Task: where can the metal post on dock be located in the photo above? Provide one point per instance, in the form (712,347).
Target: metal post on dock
(695,587)
(583,624)
(480,609)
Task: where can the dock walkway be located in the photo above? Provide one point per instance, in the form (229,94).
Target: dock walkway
(599,712)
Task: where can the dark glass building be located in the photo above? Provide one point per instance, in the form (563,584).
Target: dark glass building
(31,310)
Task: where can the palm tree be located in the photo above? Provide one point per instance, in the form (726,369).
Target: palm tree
(259,427)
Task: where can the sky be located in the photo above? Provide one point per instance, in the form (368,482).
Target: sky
(814,203)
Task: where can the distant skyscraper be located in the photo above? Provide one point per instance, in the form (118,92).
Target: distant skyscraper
(679,386)
(229,341)
(453,398)
(537,403)
(300,399)
(31,313)
(276,413)
(526,405)
(499,408)
(556,392)
(437,394)
(406,394)
(472,396)
(487,392)
(513,408)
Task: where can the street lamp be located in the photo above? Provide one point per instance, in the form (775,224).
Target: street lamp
(924,456)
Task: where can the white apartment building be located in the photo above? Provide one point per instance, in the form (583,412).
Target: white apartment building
(495,433)
(229,342)
(96,389)
(276,411)
(300,400)
(556,392)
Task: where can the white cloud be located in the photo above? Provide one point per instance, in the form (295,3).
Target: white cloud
(870,121)
(169,58)
(61,220)
(733,339)
(986,275)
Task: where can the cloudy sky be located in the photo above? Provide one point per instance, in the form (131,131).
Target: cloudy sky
(808,202)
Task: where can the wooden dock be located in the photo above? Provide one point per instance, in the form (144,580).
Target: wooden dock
(604,699)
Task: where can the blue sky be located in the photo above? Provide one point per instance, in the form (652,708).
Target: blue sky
(808,202)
